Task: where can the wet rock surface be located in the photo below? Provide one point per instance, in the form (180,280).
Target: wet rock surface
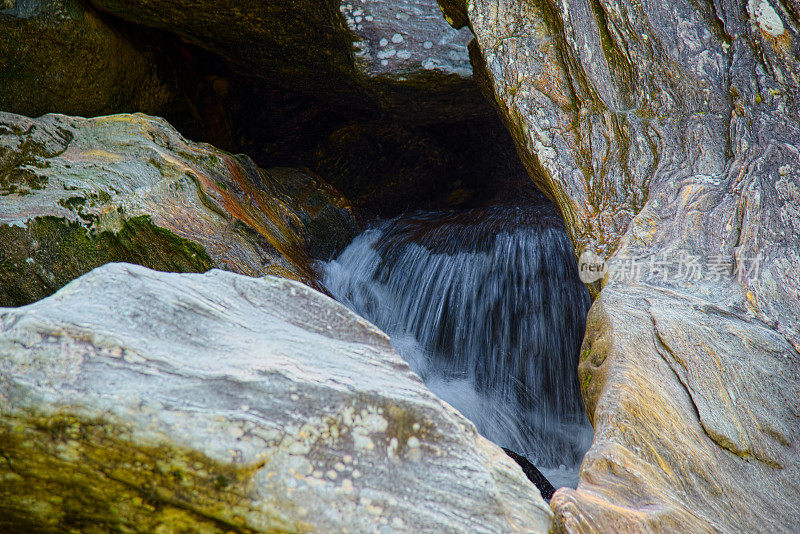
(668,136)
(77,193)
(534,475)
(134,399)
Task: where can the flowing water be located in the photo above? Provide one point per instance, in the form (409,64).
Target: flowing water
(487,307)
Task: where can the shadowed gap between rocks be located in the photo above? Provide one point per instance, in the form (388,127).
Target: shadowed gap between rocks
(384,162)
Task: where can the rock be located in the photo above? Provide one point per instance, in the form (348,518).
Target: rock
(667,134)
(416,64)
(140,400)
(60,56)
(399,56)
(695,412)
(319,216)
(534,475)
(76,193)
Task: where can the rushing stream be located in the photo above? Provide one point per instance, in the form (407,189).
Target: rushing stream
(487,307)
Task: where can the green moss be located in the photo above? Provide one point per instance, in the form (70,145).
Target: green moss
(65,473)
(72,203)
(221,482)
(76,205)
(18,165)
(21,182)
(50,252)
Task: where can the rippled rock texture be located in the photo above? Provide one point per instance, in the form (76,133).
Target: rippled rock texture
(668,134)
(76,193)
(134,399)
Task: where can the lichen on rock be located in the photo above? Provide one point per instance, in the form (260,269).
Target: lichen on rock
(139,400)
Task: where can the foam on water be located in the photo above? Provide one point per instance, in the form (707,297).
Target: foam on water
(487,307)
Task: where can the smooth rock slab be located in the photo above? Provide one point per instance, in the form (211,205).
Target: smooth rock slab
(135,399)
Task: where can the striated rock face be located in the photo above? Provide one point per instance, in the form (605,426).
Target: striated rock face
(76,193)
(696,419)
(60,56)
(669,136)
(134,399)
(400,56)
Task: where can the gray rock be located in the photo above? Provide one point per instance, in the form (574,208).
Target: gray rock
(401,38)
(417,65)
(134,399)
(669,135)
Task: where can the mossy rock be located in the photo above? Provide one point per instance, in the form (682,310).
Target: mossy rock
(44,256)
(78,193)
(134,400)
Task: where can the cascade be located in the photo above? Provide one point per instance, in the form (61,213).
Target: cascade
(486,306)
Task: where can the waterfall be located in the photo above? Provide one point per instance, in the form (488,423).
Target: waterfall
(487,307)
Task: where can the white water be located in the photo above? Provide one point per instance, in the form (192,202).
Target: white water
(486,306)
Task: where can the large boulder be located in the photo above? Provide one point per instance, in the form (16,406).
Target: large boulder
(61,56)
(148,401)
(399,56)
(668,135)
(77,193)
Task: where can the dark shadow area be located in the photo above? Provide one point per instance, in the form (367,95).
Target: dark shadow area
(384,163)
(534,475)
